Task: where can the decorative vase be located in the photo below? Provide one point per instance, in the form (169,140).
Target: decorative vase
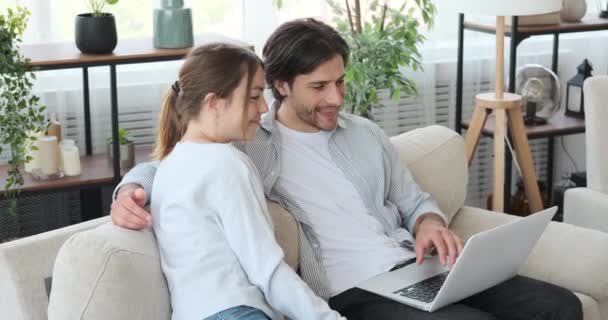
(573,10)
(96,35)
(173,25)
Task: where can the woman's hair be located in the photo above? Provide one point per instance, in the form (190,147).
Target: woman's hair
(213,68)
(298,47)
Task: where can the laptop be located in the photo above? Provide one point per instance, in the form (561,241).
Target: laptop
(488,258)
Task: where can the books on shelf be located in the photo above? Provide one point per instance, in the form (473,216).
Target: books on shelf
(536,20)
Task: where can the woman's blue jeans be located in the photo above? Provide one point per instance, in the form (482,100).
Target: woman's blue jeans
(239,313)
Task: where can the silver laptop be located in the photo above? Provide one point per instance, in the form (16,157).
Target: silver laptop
(488,258)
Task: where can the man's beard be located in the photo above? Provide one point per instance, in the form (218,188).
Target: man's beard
(308,115)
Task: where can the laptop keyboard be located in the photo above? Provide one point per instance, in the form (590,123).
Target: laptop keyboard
(425,290)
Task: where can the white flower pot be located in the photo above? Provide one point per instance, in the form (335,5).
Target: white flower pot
(127,155)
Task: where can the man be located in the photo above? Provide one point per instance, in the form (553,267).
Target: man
(358,209)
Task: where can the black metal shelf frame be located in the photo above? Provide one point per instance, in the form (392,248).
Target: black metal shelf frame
(516,37)
(90,194)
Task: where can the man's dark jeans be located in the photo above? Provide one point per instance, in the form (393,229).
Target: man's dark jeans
(520,298)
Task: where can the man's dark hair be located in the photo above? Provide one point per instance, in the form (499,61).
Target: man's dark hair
(299,47)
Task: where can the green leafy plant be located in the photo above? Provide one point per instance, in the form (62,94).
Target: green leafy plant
(123,137)
(98,7)
(382,39)
(20,114)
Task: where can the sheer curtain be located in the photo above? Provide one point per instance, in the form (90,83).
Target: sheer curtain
(141,86)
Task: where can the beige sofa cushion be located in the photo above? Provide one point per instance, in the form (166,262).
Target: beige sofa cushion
(286,231)
(435,155)
(109,273)
(114,273)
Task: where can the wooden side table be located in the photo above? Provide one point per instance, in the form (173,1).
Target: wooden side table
(558,125)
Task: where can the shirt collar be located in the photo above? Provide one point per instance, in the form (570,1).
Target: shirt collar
(269,120)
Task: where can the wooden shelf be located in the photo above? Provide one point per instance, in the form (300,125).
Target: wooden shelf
(96,169)
(558,125)
(49,56)
(589,23)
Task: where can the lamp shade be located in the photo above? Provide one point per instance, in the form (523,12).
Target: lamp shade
(507,8)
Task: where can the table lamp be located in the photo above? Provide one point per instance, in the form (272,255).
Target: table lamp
(504,105)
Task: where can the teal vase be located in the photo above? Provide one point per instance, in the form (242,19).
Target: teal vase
(173,25)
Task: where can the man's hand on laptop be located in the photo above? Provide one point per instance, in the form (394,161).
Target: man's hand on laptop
(431,232)
(127,209)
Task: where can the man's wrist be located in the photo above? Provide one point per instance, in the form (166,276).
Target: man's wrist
(127,189)
(428,218)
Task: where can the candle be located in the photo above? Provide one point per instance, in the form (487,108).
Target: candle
(71,158)
(48,155)
(62,143)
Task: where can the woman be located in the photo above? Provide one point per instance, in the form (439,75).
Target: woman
(216,242)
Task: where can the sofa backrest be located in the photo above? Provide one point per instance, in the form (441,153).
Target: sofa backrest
(596,136)
(115,273)
(109,273)
(435,155)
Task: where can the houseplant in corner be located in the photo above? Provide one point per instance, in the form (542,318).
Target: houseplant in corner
(20,114)
(382,39)
(96,31)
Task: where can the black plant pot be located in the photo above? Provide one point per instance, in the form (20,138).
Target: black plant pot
(96,35)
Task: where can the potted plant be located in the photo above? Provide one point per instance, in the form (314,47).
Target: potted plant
(127,149)
(380,45)
(96,31)
(20,114)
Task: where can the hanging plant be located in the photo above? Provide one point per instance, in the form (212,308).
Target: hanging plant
(20,114)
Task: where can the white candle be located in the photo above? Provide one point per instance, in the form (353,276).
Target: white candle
(48,155)
(71,159)
(62,144)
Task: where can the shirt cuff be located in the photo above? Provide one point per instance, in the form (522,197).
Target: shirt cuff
(136,179)
(428,206)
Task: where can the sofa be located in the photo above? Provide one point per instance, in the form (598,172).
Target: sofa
(588,207)
(100,271)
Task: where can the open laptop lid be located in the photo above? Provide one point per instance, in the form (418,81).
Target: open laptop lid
(493,256)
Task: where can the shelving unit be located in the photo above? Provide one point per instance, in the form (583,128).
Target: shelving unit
(97,172)
(559,124)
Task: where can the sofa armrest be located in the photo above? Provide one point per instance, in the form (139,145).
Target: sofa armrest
(568,256)
(25,264)
(587,208)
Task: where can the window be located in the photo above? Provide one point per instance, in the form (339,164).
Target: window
(53,21)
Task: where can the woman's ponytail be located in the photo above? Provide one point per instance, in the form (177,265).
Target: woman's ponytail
(171,128)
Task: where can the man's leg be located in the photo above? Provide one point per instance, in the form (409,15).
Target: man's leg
(523,298)
(357,304)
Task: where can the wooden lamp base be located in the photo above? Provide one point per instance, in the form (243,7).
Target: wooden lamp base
(507,110)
